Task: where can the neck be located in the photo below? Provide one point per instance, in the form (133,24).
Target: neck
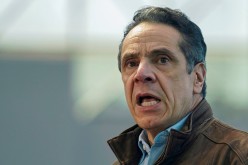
(152,133)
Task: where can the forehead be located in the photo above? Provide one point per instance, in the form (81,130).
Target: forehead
(150,35)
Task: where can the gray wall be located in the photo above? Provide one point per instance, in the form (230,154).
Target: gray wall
(37,126)
(36,122)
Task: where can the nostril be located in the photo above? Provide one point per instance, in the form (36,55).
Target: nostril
(144,79)
(148,79)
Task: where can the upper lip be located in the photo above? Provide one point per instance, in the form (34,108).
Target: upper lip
(139,96)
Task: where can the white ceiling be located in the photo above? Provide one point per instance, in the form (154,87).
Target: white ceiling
(42,24)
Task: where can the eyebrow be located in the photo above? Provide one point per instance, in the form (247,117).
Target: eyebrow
(127,56)
(153,53)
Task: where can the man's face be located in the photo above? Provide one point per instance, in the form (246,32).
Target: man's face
(158,89)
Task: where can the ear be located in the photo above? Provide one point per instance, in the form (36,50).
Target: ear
(199,77)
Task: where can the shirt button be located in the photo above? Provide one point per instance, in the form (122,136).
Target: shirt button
(144,147)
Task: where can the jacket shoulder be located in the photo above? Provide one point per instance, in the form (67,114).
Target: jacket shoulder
(235,139)
(222,132)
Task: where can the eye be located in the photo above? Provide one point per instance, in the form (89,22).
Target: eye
(163,60)
(131,63)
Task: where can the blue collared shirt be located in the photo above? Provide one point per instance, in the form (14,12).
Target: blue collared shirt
(151,154)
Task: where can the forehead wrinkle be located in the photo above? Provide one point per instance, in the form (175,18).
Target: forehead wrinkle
(148,38)
(129,50)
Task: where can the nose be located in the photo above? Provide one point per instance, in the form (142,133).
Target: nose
(144,73)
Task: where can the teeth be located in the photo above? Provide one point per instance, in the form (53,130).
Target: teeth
(149,103)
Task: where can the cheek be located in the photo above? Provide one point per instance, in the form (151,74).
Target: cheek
(179,84)
(126,84)
(167,86)
(175,89)
(128,87)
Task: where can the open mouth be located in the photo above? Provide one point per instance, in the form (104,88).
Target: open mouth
(147,100)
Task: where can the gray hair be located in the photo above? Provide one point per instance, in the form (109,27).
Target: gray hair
(192,44)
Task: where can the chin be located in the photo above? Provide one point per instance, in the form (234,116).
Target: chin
(149,123)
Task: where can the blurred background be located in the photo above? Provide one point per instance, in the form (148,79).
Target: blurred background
(61,95)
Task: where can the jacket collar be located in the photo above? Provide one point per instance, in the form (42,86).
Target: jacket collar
(196,123)
(125,146)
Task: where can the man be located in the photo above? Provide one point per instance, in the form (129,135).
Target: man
(162,63)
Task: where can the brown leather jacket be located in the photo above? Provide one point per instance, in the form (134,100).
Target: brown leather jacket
(203,140)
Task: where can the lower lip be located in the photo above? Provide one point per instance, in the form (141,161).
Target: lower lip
(151,108)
